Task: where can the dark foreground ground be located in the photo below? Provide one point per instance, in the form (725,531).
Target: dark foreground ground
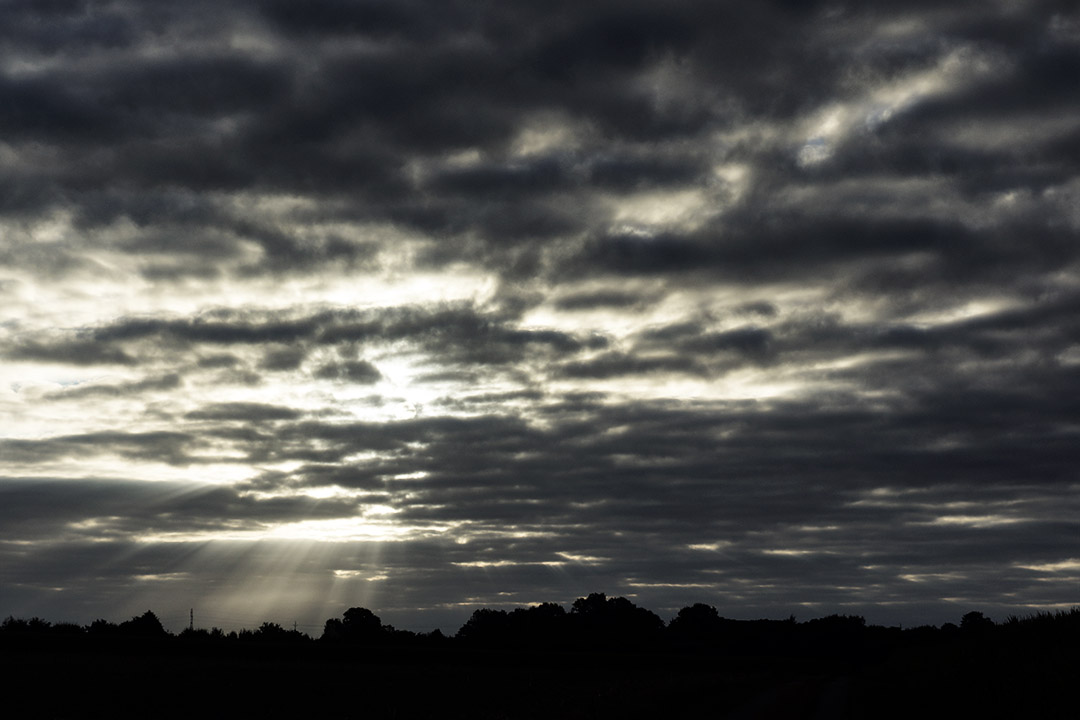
(957,680)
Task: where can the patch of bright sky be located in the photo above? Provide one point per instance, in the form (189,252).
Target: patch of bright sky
(736,178)
(738,385)
(96,468)
(655,211)
(975,521)
(1064,566)
(1070,356)
(829,126)
(934,577)
(982,307)
(546,133)
(338,530)
(23,387)
(679,586)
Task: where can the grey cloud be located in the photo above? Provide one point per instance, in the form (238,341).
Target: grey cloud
(764,309)
(284,359)
(508,63)
(617,364)
(67,510)
(165,446)
(503,182)
(356,371)
(453,333)
(172,381)
(35,110)
(599,299)
(221,360)
(52,27)
(76,351)
(247,412)
(638,173)
(370,18)
(749,341)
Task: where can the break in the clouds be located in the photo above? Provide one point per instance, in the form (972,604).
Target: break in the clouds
(426,306)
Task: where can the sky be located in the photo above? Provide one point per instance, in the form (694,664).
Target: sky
(431,306)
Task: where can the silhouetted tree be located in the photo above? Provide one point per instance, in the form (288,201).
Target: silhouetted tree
(544,625)
(67,629)
(361,622)
(100,629)
(146,625)
(833,635)
(485,627)
(435,637)
(270,631)
(37,624)
(13,625)
(614,623)
(358,625)
(699,625)
(975,622)
(194,635)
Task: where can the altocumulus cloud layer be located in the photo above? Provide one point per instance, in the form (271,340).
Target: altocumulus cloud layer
(428,306)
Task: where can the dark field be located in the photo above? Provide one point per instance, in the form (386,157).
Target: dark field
(989,677)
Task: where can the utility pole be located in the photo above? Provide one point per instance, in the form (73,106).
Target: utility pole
(191,620)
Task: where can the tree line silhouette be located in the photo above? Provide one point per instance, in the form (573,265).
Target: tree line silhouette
(595,622)
(603,657)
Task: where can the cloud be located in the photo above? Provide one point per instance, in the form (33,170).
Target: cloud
(171,381)
(76,351)
(244,412)
(357,371)
(771,307)
(616,364)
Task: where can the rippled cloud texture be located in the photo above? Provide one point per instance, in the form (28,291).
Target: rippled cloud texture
(426,306)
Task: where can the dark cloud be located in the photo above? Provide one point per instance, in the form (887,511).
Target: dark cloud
(456,333)
(224,360)
(370,18)
(288,358)
(356,371)
(599,299)
(163,446)
(76,351)
(243,412)
(120,510)
(615,364)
